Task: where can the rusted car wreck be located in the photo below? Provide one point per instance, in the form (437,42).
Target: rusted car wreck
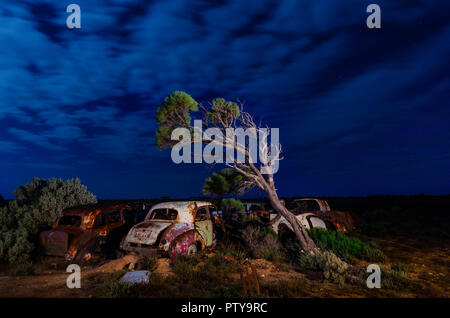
(173,228)
(311,212)
(341,221)
(82,230)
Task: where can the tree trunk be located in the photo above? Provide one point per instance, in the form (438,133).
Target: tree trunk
(306,242)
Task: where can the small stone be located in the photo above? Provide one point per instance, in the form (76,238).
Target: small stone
(137,277)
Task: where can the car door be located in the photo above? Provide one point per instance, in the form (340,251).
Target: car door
(203,225)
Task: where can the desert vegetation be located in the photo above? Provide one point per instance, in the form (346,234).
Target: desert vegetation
(37,206)
(410,251)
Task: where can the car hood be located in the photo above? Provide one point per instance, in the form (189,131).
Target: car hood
(146,232)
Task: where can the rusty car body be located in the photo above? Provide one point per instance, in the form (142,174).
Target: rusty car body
(342,221)
(173,228)
(81,230)
(316,213)
(260,209)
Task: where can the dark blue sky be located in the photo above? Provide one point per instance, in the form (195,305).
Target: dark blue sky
(360,111)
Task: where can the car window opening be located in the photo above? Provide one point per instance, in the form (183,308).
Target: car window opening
(164,214)
(70,220)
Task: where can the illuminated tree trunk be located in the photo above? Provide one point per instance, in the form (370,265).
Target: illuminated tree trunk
(306,243)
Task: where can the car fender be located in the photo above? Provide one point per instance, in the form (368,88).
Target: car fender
(182,242)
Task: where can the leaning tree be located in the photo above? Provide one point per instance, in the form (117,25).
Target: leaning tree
(226,118)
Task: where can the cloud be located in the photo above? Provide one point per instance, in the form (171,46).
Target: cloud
(34,139)
(310,68)
(7,146)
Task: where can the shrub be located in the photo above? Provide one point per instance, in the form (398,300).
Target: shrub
(224,292)
(331,266)
(233,250)
(292,288)
(230,206)
(345,246)
(205,274)
(249,219)
(183,267)
(216,269)
(24,269)
(114,289)
(147,263)
(262,242)
(38,205)
(395,277)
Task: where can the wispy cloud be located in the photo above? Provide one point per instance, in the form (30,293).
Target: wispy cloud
(310,68)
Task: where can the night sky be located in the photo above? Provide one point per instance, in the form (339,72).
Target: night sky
(360,111)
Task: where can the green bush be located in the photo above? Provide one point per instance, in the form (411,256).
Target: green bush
(38,205)
(262,242)
(395,277)
(147,263)
(233,250)
(345,246)
(224,292)
(24,269)
(327,263)
(216,269)
(292,288)
(114,289)
(183,267)
(230,206)
(200,276)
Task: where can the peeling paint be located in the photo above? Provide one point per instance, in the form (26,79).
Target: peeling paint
(69,240)
(173,236)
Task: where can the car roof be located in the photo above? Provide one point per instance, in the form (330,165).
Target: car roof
(91,208)
(185,209)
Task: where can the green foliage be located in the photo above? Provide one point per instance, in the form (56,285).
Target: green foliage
(205,274)
(224,292)
(262,242)
(230,206)
(327,263)
(147,263)
(173,113)
(221,110)
(234,251)
(345,246)
(23,269)
(216,269)
(38,205)
(395,277)
(225,181)
(183,267)
(248,219)
(114,289)
(292,288)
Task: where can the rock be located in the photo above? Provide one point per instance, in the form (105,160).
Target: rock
(137,277)
(162,267)
(118,264)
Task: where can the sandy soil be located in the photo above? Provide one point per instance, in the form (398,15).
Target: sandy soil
(428,262)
